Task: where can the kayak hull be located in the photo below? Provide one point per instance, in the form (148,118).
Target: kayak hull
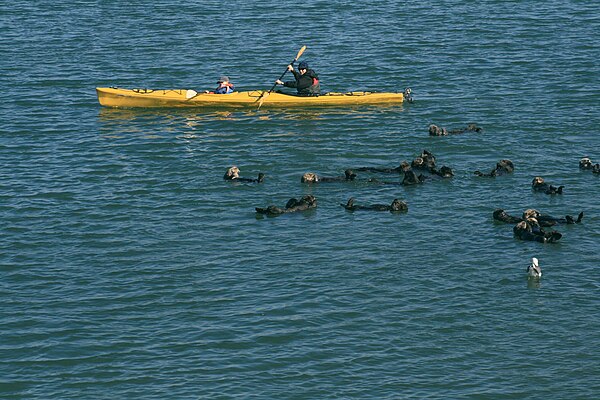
(148,98)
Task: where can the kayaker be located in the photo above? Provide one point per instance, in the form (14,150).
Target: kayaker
(225,86)
(306,80)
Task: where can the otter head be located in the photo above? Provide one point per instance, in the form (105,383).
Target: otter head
(405,166)
(426,154)
(232,173)
(309,177)
(538,180)
(498,212)
(398,205)
(434,130)
(585,162)
(507,165)
(350,175)
(417,162)
(309,199)
(531,213)
(428,159)
(446,172)
(522,225)
(473,128)
(532,222)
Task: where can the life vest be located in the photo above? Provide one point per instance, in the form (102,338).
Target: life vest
(315,88)
(224,88)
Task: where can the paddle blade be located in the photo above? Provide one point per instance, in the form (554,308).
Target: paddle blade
(262,98)
(300,52)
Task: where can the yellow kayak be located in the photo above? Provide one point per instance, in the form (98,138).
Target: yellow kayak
(117,97)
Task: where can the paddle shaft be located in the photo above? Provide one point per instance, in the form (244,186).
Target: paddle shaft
(286,70)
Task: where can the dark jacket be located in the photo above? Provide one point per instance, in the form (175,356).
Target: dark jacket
(307,84)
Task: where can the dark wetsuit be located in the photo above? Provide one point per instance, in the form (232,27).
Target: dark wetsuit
(306,84)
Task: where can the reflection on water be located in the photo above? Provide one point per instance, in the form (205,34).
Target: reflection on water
(194,123)
(533,283)
(108,115)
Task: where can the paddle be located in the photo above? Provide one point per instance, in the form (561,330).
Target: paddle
(264,95)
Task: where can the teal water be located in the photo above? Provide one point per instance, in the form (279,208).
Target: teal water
(130,268)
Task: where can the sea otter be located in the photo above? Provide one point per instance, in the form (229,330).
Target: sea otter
(311,177)
(543,220)
(305,203)
(233,174)
(396,206)
(531,230)
(435,130)
(539,185)
(425,161)
(503,167)
(548,220)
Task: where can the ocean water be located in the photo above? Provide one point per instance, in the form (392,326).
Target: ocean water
(130,268)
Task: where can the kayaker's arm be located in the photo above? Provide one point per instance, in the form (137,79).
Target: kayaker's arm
(293,83)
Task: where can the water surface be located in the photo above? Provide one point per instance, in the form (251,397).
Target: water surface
(131,269)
